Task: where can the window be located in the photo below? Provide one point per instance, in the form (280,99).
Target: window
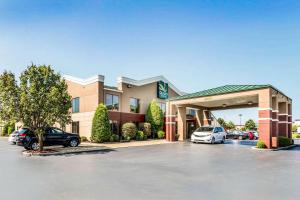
(75,105)
(134,105)
(75,127)
(112,102)
(162,107)
(191,112)
(56,131)
(114,127)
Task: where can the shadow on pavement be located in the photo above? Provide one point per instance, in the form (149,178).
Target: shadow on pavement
(102,151)
(242,142)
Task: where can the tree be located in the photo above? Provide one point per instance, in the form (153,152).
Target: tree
(101,131)
(9,97)
(250,125)
(230,125)
(222,122)
(155,117)
(43,100)
(295,128)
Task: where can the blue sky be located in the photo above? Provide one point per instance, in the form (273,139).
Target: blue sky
(195,44)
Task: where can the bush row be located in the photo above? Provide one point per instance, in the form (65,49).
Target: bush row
(130,131)
(284,141)
(8,128)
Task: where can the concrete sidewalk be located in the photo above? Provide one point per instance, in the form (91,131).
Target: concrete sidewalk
(127,144)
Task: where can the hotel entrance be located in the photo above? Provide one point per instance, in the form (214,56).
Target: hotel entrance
(191,127)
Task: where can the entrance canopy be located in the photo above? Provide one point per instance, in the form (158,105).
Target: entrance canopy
(275,109)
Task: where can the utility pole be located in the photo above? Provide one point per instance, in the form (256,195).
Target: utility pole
(240,115)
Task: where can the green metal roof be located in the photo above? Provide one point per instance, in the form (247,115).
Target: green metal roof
(222,90)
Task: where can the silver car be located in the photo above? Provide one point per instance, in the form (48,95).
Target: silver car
(209,134)
(13,137)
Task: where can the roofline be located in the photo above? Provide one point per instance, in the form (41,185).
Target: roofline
(263,87)
(93,79)
(146,81)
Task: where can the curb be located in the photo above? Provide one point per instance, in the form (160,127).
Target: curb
(278,149)
(29,154)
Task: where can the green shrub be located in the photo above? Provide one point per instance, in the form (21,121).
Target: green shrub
(83,139)
(161,134)
(114,138)
(261,145)
(10,130)
(141,136)
(129,130)
(5,129)
(284,141)
(296,136)
(155,117)
(101,131)
(147,129)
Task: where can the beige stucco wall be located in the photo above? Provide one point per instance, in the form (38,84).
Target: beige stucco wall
(85,123)
(145,94)
(90,95)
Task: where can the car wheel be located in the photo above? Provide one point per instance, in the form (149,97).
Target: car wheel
(73,143)
(223,140)
(35,146)
(212,140)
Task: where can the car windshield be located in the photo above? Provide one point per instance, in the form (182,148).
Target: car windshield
(22,130)
(205,129)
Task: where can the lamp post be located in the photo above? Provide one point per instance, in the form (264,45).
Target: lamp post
(240,115)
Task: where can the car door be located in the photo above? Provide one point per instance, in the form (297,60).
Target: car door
(219,133)
(222,133)
(55,136)
(216,133)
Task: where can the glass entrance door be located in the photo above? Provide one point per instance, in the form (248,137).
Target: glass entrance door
(191,127)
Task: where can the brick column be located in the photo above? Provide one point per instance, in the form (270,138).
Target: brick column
(290,120)
(206,118)
(181,123)
(170,122)
(265,117)
(283,119)
(275,122)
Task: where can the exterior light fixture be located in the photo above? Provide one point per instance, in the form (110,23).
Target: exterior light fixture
(224,105)
(250,103)
(129,86)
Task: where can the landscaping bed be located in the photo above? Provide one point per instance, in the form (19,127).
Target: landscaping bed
(58,150)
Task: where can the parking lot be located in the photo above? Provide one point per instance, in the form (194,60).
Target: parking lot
(168,171)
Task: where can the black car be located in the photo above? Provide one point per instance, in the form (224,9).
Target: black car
(52,136)
(235,135)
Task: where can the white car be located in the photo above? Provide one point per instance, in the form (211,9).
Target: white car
(209,134)
(13,137)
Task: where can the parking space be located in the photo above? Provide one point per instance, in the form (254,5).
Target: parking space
(6,147)
(168,171)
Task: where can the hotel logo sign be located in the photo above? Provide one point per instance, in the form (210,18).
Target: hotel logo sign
(162,90)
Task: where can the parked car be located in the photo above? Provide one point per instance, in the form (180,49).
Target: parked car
(209,134)
(52,136)
(234,134)
(13,137)
(23,132)
(256,134)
